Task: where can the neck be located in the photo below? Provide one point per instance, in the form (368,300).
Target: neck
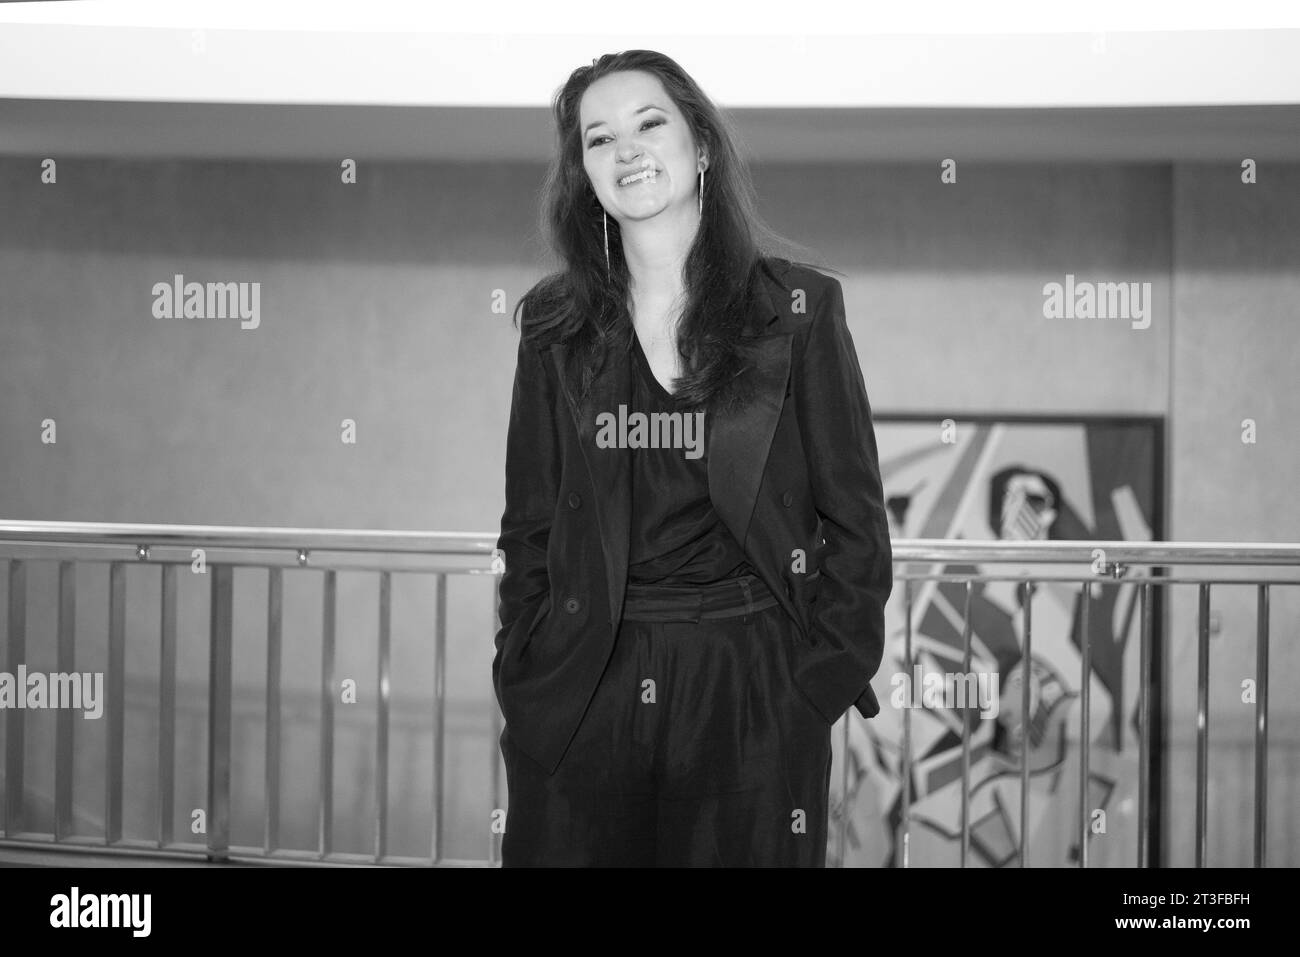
(656,250)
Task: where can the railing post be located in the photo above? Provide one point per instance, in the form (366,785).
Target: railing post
(965,729)
(1144,731)
(15,737)
(843,839)
(1261,725)
(439,716)
(271,771)
(167,706)
(221,617)
(381,724)
(1026,720)
(64,731)
(325,835)
(115,705)
(907,726)
(1085,722)
(1202,721)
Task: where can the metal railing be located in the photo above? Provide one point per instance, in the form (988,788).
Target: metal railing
(1108,563)
(218,550)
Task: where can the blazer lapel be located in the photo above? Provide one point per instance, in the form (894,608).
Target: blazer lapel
(737,446)
(739,443)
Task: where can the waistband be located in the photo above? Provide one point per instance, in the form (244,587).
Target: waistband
(729,598)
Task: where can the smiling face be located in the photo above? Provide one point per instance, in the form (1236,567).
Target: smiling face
(628,124)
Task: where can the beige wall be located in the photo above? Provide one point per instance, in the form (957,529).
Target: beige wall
(1235,356)
(376,306)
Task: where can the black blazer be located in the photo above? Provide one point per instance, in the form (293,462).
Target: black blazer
(798,470)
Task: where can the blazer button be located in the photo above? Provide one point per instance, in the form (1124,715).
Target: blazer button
(574,500)
(571,605)
(787,499)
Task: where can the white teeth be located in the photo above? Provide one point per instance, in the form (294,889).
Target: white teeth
(647,172)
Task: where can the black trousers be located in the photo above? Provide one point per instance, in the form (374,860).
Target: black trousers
(696,750)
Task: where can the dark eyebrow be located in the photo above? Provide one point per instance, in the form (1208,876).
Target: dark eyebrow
(648,106)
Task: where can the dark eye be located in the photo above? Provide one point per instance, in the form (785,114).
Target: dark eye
(596,141)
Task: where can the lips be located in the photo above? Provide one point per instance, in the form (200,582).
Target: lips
(648,171)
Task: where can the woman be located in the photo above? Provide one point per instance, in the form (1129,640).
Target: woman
(679,631)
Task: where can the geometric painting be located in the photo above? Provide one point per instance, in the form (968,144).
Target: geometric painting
(1007,478)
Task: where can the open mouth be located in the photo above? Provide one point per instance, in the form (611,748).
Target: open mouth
(647,173)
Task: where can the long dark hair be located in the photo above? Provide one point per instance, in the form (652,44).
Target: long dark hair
(585,306)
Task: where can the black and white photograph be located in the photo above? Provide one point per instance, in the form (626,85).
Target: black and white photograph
(590,436)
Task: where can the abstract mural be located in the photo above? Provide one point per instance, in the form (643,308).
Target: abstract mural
(1011,478)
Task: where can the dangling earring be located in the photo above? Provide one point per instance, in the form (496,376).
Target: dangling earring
(701,190)
(606,216)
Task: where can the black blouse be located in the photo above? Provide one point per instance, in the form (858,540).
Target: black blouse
(677,536)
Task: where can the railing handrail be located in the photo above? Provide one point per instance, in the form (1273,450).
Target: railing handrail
(1084,551)
(248,537)
(1079,551)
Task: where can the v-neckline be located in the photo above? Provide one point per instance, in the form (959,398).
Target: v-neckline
(649,369)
